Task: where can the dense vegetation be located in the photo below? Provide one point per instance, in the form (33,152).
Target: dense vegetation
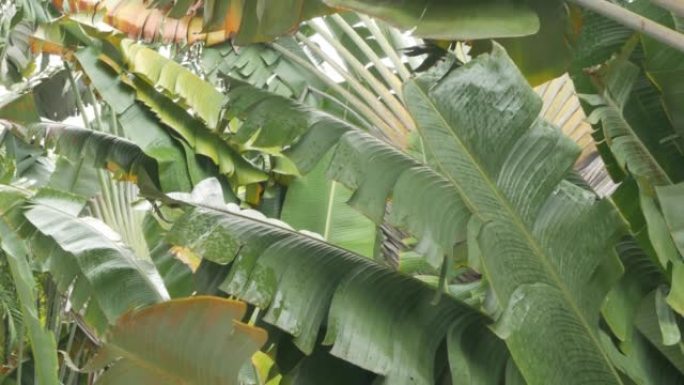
(300,192)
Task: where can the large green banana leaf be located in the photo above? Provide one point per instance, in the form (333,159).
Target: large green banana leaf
(76,250)
(126,160)
(546,244)
(176,80)
(132,116)
(374,175)
(178,163)
(190,341)
(376,318)
(494,110)
(82,247)
(375,171)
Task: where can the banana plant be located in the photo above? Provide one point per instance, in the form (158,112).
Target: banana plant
(638,135)
(374,171)
(491,188)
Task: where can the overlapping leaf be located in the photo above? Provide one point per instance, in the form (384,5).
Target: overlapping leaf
(87,251)
(518,192)
(317,204)
(438,19)
(376,318)
(639,140)
(156,143)
(519,195)
(42,341)
(245,22)
(156,71)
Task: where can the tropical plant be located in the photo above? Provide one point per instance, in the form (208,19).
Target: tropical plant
(231,192)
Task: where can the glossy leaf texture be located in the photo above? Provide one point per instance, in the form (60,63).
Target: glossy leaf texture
(189,341)
(377,319)
(375,171)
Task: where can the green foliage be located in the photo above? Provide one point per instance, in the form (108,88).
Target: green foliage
(42,341)
(517,274)
(300,281)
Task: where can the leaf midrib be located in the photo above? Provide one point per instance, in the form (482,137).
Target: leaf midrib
(534,246)
(610,103)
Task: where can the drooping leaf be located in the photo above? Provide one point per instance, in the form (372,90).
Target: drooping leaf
(131,116)
(346,286)
(126,160)
(192,131)
(89,247)
(351,166)
(190,341)
(204,99)
(364,165)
